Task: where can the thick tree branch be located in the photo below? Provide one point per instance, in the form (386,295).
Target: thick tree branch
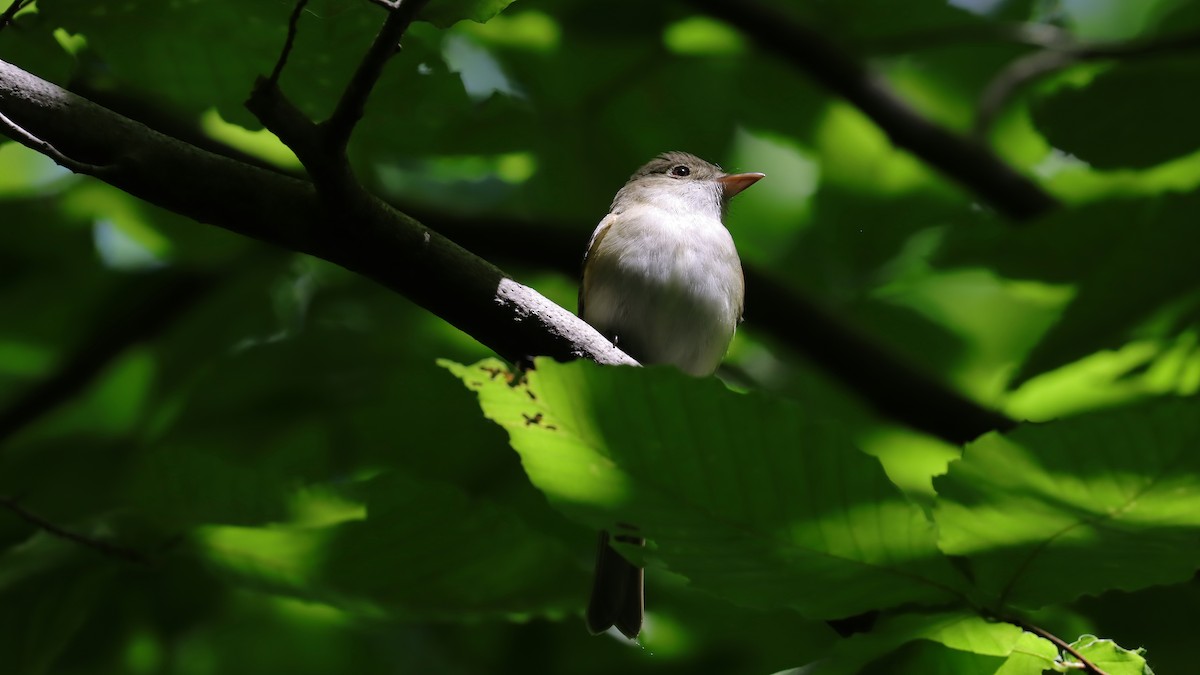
(385,246)
(960,158)
(895,389)
(374,240)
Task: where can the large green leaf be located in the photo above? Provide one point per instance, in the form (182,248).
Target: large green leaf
(1128,259)
(424,549)
(909,643)
(204,54)
(1053,511)
(1133,116)
(48,591)
(429,546)
(745,495)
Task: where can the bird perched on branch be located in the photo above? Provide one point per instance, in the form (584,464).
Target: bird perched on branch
(663,281)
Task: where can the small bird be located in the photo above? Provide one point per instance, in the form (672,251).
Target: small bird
(663,281)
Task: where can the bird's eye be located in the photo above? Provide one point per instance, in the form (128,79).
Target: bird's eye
(680,170)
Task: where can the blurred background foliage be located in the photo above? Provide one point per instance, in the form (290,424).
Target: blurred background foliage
(303,489)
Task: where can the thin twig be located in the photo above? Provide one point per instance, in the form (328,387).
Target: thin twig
(293,23)
(353,102)
(10,13)
(98,545)
(1015,76)
(20,134)
(960,158)
(1032,67)
(1088,666)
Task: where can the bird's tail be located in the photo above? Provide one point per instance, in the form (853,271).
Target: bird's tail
(618,593)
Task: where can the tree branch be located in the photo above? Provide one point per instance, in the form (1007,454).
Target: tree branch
(1032,67)
(895,389)
(322,147)
(962,159)
(98,545)
(389,247)
(350,107)
(374,240)
(11,13)
(293,26)
(14,131)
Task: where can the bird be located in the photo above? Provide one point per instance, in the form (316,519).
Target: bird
(663,281)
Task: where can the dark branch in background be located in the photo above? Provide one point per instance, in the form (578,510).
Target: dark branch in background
(293,25)
(960,158)
(1040,35)
(10,13)
(167,296)
(376,241)
(895,389)
(1032,67)
(100,546)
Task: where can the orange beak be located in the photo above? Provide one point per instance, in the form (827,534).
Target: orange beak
(736,182)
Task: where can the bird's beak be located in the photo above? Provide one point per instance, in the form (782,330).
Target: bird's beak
(736,182)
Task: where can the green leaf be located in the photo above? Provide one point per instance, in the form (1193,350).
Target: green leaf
(429,547)
(746,495)
(1111,657)
(1030,655)
(445,13)
(1128,258)
(425,549)
(1133,116)
(29,44)
(1053,511)
(973,644)
(1146,269)
(206,54)
(181,485)
(58,589)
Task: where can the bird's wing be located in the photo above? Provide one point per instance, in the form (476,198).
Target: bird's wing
(593,244)
(741,313)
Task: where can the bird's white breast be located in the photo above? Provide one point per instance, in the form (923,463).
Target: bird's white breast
(665,282)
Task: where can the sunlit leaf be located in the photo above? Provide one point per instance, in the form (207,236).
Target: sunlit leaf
(743,494)
(1050,512)
(1111,657)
